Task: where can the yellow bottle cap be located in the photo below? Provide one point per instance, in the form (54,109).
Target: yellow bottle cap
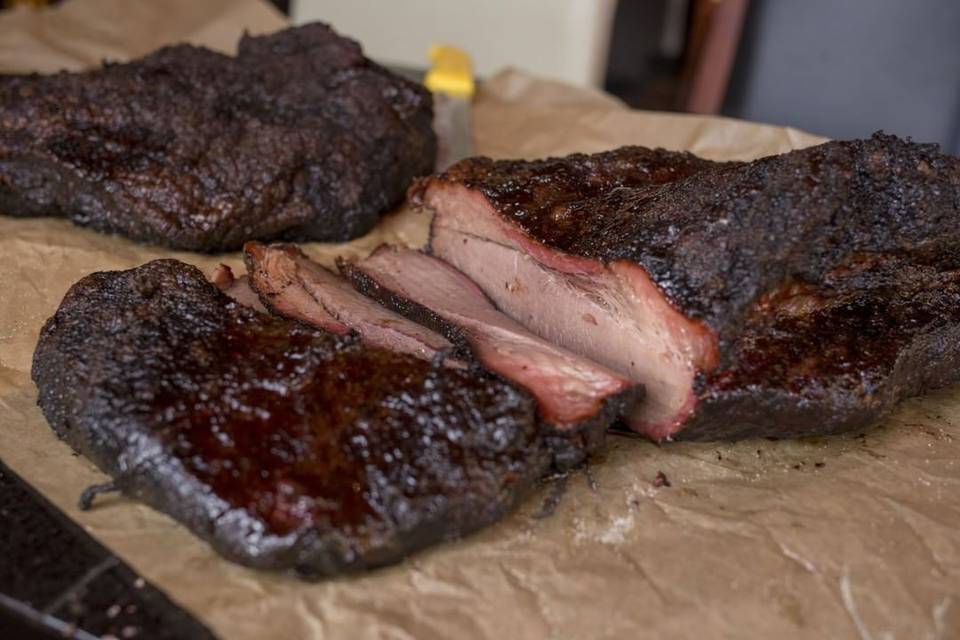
(451,73)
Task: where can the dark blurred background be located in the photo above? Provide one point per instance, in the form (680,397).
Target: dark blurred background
(838,68)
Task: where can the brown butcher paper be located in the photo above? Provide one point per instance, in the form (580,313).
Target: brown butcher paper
(847,537)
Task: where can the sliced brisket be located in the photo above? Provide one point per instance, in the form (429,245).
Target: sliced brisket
(775,297)
(576,395)
(237,288)
(294,286)
(284,446)
(299,136)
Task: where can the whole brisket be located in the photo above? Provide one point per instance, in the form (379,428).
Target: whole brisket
(284,446)
(801,293)
(299,136)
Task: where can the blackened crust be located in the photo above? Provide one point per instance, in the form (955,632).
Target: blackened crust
(716,236)
(829,274)
(285,447)
(299,137)
(839,356)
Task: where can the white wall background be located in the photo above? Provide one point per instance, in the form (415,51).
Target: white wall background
(561,39)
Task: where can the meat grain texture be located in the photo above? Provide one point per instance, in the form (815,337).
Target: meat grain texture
(299,137)
(283,446)
(294,286)
(578,399)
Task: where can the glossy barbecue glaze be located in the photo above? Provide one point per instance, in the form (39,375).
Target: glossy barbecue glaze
(286,447)
(837,356)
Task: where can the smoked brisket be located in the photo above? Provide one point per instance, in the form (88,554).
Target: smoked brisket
(298,136)
(284,446)
(801,293)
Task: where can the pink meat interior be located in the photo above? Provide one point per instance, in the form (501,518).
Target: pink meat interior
(237,288)
(304,290)
(568,387)
(611,313)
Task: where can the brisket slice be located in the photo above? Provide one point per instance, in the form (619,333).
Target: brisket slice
(299,136)
(237,288)
(292,285)
(684,275)
(284,446)
(577,398)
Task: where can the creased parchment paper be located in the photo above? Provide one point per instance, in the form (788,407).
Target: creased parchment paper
(853,537)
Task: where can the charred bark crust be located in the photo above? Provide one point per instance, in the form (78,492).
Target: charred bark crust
(297,137)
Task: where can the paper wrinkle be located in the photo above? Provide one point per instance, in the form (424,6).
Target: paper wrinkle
(752,540)
(904,514)
(939,618)
(796,557)
(513,86)
(658,589)
(529,598)
(81,33)
(849,603)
